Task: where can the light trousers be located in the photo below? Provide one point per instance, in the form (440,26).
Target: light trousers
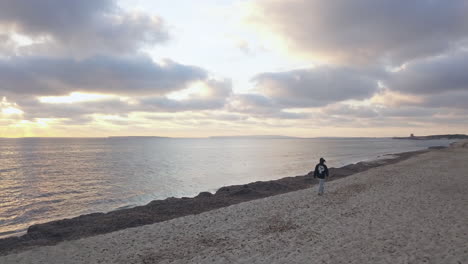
(321,186)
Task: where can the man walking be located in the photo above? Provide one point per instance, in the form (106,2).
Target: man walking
(321,172)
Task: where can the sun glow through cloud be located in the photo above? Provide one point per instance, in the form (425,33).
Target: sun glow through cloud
(75,97)
(12,111)
(9,109)
(197,89)
(226,67)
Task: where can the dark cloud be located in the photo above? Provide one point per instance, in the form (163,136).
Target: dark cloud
(92,47)
(427,117)
(373,115)
(453,99)
(39,76)
(434,75)
(304,88)
(408,112)
(428,37)
(316,87)
(438,82)
(80,27)
(52,16)
(252,103)
(364,31)
(165,104)
(214,97)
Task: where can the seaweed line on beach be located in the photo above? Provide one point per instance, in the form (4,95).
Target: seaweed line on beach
(51,233)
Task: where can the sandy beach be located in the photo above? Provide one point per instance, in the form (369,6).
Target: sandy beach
(414,211)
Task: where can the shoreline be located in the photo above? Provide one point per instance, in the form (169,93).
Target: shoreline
(51,233)
(413,211)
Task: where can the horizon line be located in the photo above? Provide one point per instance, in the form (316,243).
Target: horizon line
(204,137)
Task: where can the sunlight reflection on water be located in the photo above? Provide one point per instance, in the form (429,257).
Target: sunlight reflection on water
(48,179)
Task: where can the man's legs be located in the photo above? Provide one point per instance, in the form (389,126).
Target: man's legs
(321,186)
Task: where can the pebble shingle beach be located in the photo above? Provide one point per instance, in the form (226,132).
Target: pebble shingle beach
(414,211)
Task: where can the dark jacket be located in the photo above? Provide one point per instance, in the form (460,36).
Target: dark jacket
(321,171)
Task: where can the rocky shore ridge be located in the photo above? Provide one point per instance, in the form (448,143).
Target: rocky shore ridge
(162,210)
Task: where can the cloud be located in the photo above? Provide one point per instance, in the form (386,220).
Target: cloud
(281,94)
(64,48)
(389,98)
(364,31)
(408,112)
(218,91)
(260,106)
(139,75)
(434,82)
(350,110)
(455,99)
(378,115)
(213,96)
(252,103)
(80,27)
(77,111)
(316,87)
(433,75)
(7,44)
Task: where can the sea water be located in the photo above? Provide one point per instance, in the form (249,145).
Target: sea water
(45,179)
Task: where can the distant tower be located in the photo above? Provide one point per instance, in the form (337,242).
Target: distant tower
(412,135)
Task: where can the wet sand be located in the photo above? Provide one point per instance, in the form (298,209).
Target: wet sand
(413,211)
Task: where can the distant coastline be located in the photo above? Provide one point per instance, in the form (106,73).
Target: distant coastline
(124,137)
(253,137)
(431,137)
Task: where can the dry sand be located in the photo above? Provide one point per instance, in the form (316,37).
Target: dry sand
(415,211)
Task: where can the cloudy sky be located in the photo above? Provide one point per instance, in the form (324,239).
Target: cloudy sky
(187,68)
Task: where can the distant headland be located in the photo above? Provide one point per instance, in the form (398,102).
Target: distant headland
(448,136)
(124,137)
(252,137)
